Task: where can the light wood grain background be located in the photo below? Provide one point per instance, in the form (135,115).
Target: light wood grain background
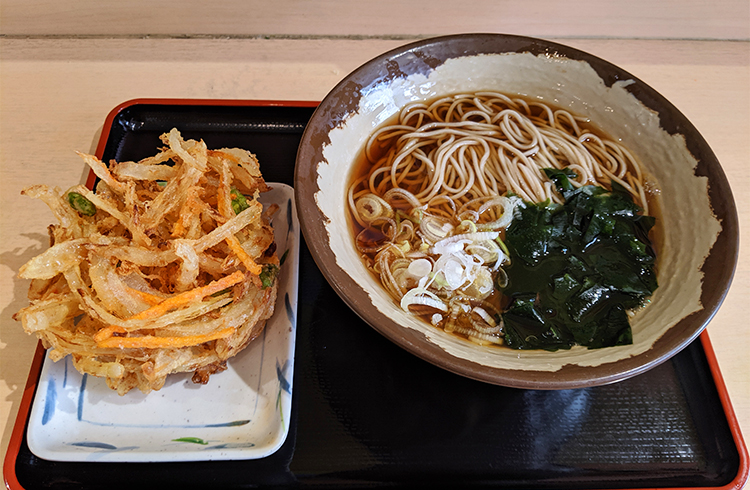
(65,64)
(650,19)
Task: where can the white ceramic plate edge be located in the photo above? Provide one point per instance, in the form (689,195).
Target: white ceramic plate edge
(237,415)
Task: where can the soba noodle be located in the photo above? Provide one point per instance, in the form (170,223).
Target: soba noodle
(457,167)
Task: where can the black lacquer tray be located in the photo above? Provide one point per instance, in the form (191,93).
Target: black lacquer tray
(368,414)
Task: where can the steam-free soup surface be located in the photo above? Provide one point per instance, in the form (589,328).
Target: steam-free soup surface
(506,221)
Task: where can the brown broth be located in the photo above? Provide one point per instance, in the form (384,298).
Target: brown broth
(362,167)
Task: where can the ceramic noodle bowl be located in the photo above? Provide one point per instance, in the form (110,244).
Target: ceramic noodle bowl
(699,248)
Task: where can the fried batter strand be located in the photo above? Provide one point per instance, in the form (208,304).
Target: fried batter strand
(157,271)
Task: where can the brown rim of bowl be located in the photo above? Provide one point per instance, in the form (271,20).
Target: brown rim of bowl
(422,57)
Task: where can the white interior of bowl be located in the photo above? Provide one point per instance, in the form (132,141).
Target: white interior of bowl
(689,223)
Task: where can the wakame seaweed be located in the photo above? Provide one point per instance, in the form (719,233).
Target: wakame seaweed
(576,268)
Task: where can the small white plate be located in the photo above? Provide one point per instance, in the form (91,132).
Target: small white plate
(242,413)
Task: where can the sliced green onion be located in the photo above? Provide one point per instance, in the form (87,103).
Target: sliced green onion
(371,207)
(239,202)
(81,204)
(502,245)
(268,275)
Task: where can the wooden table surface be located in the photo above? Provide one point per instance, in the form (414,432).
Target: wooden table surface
(55,91)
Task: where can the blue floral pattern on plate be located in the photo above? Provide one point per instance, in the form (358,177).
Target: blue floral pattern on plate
(242,413)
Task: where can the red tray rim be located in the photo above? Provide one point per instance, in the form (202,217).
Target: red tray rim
(14,446)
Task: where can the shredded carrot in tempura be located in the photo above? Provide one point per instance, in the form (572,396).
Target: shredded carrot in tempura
(151,342)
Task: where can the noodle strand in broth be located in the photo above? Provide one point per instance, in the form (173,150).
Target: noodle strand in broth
(439,188)
(473,145)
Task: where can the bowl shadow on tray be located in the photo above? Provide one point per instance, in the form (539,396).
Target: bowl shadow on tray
(379,413)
